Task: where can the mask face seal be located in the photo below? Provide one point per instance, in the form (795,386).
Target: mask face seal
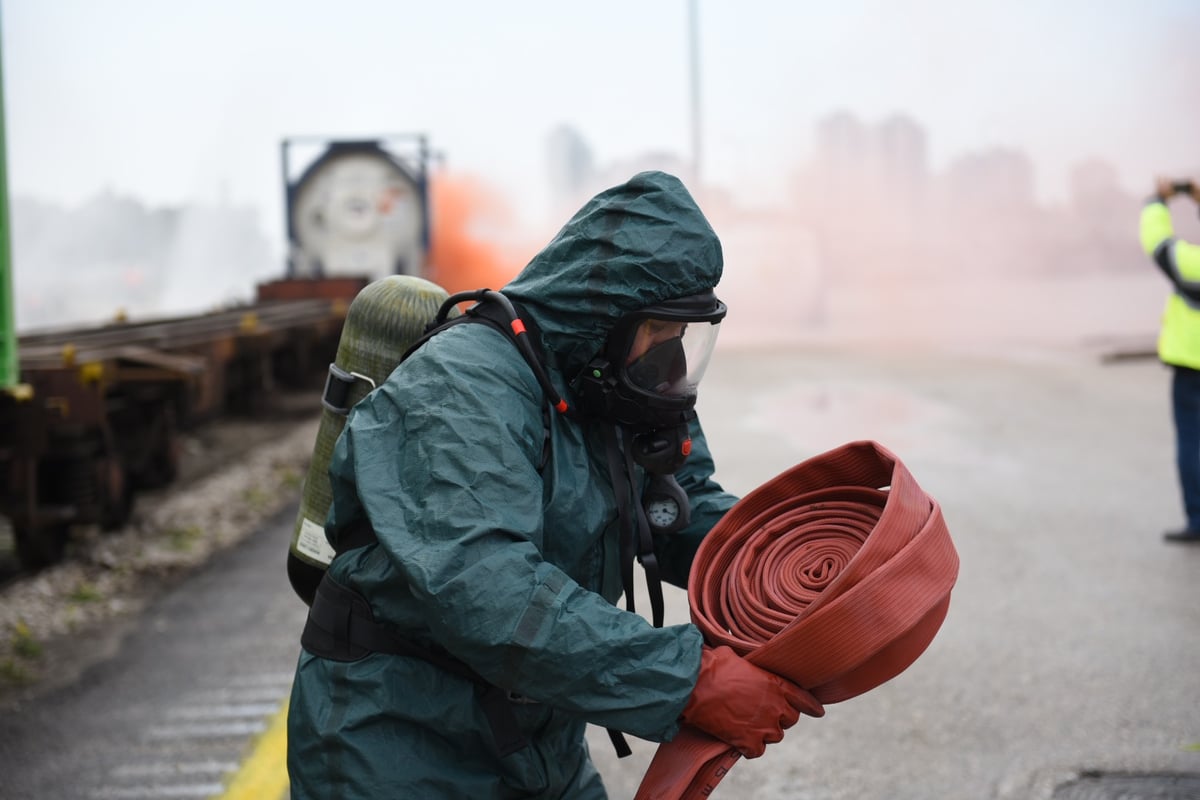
(646,376)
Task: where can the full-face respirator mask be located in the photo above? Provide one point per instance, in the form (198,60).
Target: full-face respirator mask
(645,378)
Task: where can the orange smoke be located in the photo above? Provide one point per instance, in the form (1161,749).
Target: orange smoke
(472,244)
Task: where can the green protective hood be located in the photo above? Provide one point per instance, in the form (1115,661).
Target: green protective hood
(632,246)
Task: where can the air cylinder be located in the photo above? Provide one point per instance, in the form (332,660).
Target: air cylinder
(385,318)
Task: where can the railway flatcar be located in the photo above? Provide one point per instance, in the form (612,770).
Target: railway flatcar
(91,416)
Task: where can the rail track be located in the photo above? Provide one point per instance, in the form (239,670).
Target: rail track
(91,416)
(45,347)
(104,407)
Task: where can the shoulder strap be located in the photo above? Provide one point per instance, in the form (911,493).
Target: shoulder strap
(496,316)
(512,325)
(497,311)
(360,533)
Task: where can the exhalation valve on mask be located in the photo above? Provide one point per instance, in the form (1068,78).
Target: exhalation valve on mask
(662,451)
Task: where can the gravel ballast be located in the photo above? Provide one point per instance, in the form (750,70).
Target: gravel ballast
(234,476)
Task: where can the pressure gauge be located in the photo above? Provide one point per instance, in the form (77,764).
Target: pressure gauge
(662,512)
(666,505)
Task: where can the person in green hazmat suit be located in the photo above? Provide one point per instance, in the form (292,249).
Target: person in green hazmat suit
(468,629)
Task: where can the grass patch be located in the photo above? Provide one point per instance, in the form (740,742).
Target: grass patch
(290,478)
(23,642)
(182,539)
(85,592)
(13,673)
(257,498)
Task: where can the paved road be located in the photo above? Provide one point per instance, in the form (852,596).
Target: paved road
(172,712)
(1073,638)
(1072,645)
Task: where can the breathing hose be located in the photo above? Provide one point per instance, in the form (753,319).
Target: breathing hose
(835,575)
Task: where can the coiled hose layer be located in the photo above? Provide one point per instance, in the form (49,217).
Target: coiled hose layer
(836,575)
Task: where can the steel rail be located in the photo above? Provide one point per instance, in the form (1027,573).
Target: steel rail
(257,320)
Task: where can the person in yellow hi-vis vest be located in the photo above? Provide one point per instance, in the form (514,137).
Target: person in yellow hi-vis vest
(1179,340)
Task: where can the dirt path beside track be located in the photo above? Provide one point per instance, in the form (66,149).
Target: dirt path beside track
(234,475)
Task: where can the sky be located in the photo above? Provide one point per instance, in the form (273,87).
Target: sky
(177,103)
(171,101)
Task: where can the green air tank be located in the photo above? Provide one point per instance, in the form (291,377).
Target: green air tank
(384,320)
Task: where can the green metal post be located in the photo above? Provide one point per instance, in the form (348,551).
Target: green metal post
(9,366)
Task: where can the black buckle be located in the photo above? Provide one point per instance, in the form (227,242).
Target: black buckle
(498,710)
(337,390)
(338,382)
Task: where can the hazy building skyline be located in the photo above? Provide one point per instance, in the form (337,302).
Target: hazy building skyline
(867,203)
(571,165)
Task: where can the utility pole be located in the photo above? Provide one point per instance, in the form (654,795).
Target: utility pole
(694,75)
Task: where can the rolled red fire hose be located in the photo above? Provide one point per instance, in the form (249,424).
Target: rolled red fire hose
(836,574)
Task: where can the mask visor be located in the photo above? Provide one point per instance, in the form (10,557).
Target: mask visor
(667,358)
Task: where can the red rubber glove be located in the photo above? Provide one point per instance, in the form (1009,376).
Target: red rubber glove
(742,705)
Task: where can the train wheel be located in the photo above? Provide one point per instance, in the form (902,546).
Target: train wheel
(118,492)
(41,547)
(161,468)
(167,451)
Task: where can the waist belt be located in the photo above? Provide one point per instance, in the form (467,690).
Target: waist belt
(341,627)
(360,533)
(824,576)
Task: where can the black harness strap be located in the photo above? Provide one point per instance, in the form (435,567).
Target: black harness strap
(620,493)
(620,484)
(636,540)
(495,317)
(645,542)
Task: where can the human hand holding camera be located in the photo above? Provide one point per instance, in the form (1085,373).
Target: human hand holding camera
(1166,188)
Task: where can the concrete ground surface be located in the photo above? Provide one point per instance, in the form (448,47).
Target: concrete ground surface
(1072,645)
